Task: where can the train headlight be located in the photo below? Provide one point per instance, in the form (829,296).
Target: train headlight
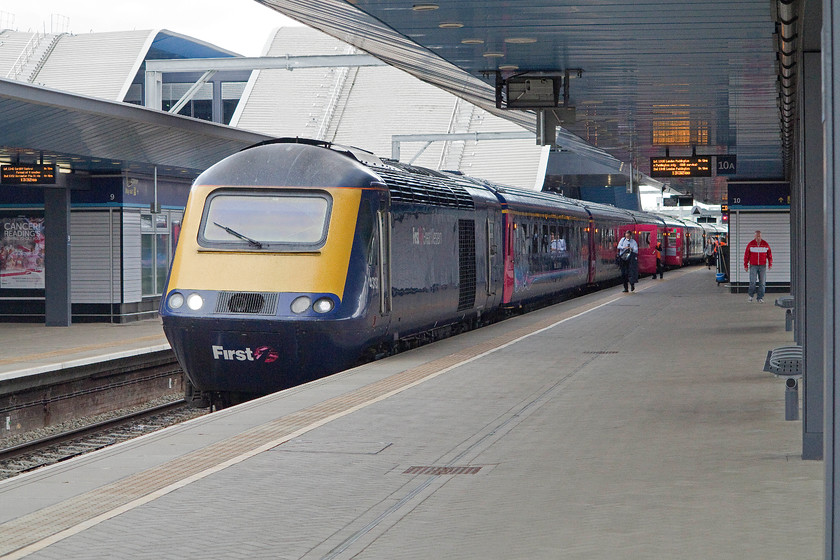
(323,305)
(301,304)
(176,300)
(195,301)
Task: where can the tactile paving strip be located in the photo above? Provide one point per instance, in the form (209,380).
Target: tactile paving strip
(39,529)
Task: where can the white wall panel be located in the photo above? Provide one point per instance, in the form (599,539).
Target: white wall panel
(90,261)
(775,230)
(132,285)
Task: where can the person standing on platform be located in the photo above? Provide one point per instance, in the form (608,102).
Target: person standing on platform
(757,259)
(628,260)
(660,268)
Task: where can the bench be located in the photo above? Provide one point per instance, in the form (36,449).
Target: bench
(787,303)
(786,362)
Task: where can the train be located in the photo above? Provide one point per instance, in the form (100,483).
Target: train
(301,258)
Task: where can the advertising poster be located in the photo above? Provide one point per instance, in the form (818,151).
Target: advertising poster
(22,252)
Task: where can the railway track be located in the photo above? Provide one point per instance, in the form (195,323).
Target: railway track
(93,435)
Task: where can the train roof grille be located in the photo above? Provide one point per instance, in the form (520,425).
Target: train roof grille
(432,189)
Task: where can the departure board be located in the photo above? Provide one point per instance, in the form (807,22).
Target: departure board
(27,174)
(694,166)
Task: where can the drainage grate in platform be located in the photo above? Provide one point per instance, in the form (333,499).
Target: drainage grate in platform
(437,471)
(601,352)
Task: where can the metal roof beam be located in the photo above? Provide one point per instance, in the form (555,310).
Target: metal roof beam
(396,139)
(155,69)
(261,63)
(192,91)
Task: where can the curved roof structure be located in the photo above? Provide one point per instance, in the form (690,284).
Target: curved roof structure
(367,106)
(65,105)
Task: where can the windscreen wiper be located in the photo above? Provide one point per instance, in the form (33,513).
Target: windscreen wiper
(235,233)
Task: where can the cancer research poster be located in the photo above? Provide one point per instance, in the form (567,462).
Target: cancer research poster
(22,252)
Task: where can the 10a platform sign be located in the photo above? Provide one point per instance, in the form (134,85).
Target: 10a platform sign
(727,165)
(27,174)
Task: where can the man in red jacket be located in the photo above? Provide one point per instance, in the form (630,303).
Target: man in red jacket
(757,259)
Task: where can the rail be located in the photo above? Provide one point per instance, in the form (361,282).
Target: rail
(25,55)
(77,441)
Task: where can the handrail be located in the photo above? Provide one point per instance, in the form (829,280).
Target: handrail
(25,55)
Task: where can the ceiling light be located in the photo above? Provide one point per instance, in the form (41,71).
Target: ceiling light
(520,40)
(491,54)
(424,7)
(472,41)
(508,67)
(451,25)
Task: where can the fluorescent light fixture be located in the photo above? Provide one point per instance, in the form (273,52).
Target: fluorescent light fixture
(520,40)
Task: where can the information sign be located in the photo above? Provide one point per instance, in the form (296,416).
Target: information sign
(27,174)
(758,195)
(694,166)
(726,165)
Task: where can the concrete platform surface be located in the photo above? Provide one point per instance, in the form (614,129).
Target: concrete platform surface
(31,348)
(613,426)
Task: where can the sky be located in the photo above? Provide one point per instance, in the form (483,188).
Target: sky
(241,26)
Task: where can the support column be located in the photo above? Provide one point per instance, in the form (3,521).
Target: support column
(57,256)
(218,108)
(831,132)
(810,286)
(153,90)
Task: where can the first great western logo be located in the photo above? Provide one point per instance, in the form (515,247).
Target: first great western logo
(264,354)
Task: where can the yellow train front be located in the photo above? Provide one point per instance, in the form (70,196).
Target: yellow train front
(269,247)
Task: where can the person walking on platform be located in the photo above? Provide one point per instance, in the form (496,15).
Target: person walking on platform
(660,268)
(708,252)
(757,259)
(628,260)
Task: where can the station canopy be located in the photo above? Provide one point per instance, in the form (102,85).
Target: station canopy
(88,134)
(637,80)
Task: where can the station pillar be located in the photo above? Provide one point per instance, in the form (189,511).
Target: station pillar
(57,257)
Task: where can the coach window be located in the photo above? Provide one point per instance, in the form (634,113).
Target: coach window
(154,252)
(522,244)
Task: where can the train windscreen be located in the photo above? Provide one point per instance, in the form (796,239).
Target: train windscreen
(265,220)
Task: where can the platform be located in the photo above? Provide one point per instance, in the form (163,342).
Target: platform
(611,426)
(33,348)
